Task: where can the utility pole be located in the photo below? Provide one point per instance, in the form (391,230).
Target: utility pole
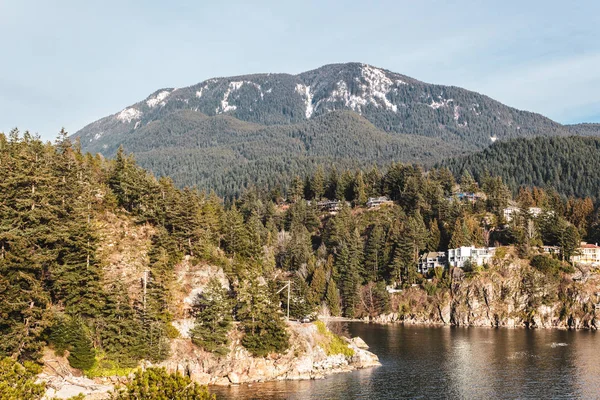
(145,280)
(288,285)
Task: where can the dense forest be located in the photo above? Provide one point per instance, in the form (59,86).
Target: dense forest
(228,134)
(570,165)
(55,291)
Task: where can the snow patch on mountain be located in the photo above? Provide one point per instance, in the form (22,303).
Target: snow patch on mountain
(158,99)
(129,114)
(377,86)
(341,93)
(373,87)
(456,113)
(441,103)
(305,92)
(232,87)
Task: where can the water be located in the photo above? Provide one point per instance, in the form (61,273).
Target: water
(466,363)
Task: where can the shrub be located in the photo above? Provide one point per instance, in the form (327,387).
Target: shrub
(71,334)
(157,383)
(547,265)
(17,381)
(332,343)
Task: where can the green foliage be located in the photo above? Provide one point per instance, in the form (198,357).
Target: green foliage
(71,334)
(213,312)
(550,266)
(332,343)
(264,330)
(194,141)
(568,164)
(17,381)
(157,383)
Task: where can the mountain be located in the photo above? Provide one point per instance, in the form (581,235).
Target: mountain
(228,133)
(571,165)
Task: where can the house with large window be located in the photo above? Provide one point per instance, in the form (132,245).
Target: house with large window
(475,255)
(375,202)
(587,253)
(431,260)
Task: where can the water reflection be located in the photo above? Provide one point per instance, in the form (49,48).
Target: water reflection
(443,362)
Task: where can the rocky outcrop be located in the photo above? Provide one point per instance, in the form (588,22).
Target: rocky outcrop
(509,294)
(63,382)
(305,359)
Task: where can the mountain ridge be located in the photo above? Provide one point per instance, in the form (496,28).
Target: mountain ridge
(427,118)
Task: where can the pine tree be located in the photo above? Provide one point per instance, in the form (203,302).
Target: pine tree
(318,183)
(318,286)
(434,237)
(213,312)
(374,254)
(360,191)
(332,298)
(460,235)
(264,330)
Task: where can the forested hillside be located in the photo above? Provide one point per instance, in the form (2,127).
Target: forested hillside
(67,281)
(570,165)
(220,133)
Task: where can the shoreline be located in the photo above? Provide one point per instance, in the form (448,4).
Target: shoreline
(450,325)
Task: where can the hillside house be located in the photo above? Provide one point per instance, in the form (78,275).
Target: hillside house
(467,197)
(552,250)
(587,254)
(476,255)
(331,205)
(375,202)
(431,260)
(510,211)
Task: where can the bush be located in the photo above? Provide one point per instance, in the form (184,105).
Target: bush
(157,383)
(17,381)
(548,266)
(72,335)
(333,344)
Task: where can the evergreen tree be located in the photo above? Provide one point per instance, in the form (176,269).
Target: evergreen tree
(318,184)
(318,286)
(213,312)
(360,191)
(332,298)
(460,235)
(374,254)
(264,330)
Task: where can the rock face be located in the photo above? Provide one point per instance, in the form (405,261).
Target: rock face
(63,382)
(510,294)
(305,359)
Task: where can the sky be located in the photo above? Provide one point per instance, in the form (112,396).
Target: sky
(67,63)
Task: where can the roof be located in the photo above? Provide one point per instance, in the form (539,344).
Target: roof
(589,246)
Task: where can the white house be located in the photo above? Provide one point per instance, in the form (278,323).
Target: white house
(587,254)
(431,260)
(509,211)
(476,255)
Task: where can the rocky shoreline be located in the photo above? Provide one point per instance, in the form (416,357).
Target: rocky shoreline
(513,295)
(305,359)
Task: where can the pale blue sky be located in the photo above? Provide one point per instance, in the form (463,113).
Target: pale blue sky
(70,62)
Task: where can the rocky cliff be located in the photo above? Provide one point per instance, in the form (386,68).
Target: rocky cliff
(509,293)
(307,358)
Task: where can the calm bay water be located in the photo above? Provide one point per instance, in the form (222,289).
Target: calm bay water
(466,363)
